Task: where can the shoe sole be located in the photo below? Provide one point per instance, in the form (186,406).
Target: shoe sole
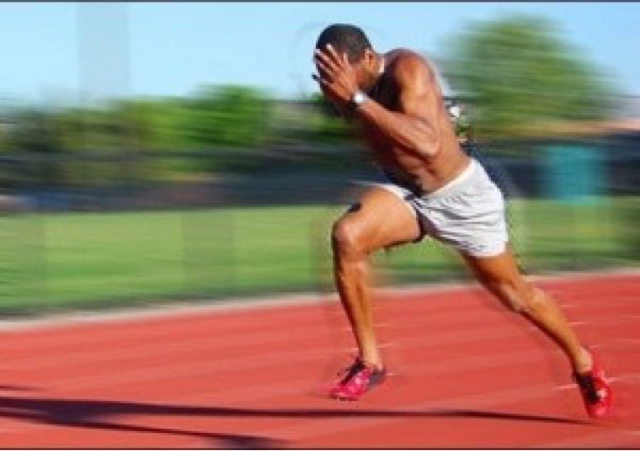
(377,380)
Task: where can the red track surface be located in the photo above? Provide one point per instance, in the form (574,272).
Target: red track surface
(466,375)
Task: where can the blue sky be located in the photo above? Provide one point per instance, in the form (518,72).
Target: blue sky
(55,51)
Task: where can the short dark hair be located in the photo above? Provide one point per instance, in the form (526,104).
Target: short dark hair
(345,38)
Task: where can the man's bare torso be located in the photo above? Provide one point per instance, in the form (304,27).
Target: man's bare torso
(405,166)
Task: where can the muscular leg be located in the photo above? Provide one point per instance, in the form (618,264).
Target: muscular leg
(380,219)
(501,277)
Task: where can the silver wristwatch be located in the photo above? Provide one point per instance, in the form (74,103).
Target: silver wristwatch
(358,98)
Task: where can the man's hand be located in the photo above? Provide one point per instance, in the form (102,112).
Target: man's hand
(337,77)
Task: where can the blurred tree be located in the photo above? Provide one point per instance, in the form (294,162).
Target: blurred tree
(90,129)
(518,76)
(154,123)
(228,123)
(329,127)
(5,126)
(227,116)
(71,122)
(92,137)
(36,131)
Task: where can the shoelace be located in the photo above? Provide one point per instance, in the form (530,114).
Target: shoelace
(585,381)
(352,370)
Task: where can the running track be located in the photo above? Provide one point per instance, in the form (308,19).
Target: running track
(466,375)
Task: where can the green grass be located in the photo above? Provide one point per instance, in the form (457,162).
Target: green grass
(61,261)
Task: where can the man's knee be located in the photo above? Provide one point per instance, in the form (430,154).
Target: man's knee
(346,239)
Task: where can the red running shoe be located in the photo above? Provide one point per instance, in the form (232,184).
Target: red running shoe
(357,380)
(596,391)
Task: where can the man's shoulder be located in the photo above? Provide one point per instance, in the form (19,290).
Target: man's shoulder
(402,54)
(402,60)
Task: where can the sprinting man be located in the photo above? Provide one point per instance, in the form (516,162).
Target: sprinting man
(433,189)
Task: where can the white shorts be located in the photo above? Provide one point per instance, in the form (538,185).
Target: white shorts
(467,213)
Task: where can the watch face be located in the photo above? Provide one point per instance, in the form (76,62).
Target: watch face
(358,98)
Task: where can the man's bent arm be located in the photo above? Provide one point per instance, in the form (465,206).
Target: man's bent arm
(411,127)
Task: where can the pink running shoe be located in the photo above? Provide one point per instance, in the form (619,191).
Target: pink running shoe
(596,391)
(357,380)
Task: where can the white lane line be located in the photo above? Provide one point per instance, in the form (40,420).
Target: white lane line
(248,303)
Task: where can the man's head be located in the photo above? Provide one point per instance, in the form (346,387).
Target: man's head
(349,39)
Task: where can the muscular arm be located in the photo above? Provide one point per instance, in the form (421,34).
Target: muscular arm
(411,126)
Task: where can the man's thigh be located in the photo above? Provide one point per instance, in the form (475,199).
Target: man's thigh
(381,218)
